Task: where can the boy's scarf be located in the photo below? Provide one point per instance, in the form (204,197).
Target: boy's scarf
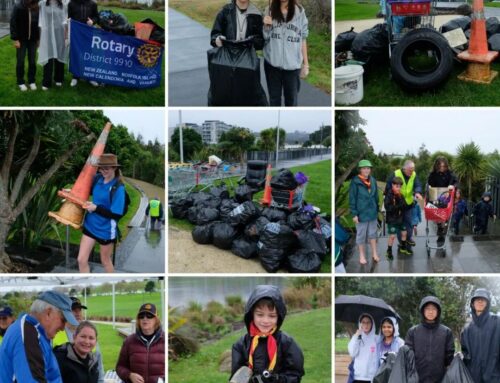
(272,347)
(366,182)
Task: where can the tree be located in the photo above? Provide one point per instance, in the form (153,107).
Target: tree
(318,137)
(29,140)
(469,165)
(73,292)
(191,139)
(236,141)
(150,287)
(267,140)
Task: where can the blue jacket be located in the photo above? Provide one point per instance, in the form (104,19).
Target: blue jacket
(362,203)
(460,209)
(416,214)
(26,354)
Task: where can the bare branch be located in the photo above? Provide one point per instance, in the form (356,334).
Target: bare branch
(7,163)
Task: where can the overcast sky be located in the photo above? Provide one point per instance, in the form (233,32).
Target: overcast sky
(257,120)
(396,131)
(148,122)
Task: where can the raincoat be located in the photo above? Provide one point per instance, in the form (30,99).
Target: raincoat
(396,343)
(364,352)
(53,21)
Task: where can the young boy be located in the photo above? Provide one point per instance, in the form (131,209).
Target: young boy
(272,355)
(482,211)
(394,204)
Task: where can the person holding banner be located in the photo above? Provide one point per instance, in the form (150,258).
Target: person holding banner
(83,11)
(285,50)
(53,52)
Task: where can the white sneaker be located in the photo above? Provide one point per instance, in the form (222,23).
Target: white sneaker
(33,86)
(73,82)
(59,84)
(23,88)
(93,83)
(45,88)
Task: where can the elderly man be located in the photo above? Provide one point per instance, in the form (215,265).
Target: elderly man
(6,319)
(480,340)
(26,355)
(411,187)
(67,335)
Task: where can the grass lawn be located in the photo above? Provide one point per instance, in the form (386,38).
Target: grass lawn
(83,94)
(126,305)
(311,330)
(110,344)
(341,345)
(319,44)
(355,10)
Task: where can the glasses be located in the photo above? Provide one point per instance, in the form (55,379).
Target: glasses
(146,315)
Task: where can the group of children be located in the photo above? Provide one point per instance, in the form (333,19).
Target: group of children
(43,26)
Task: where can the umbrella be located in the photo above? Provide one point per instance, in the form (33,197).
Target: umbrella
(348,308)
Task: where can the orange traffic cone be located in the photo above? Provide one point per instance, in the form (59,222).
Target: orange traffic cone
(266,199)
(71,212)
(479,58)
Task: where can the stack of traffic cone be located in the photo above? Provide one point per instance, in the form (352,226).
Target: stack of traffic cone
(266,199)
(478,56)
(71,212)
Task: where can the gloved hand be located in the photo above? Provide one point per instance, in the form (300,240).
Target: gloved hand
(219,40)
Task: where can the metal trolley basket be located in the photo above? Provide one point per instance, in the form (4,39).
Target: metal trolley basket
(288,199)
(441,216)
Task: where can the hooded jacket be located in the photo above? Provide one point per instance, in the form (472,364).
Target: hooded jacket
(73,369)
(24,23)
(432,344)
(395,206)
(146,358)
(363,203)
(81,10)
(283,41)
(483,210)
(396,343)
(226,24)
(364,352)
(290,360)
(480,342)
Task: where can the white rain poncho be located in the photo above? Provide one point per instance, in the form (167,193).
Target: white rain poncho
(52,21)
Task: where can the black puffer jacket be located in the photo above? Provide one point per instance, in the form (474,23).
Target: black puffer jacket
(481,343)
(225,24)
(290,360)
(73,369)
(432,344)
(81,10)
(24,23)
(395,206)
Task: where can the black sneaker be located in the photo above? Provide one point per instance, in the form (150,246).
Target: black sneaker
(388,255)
(410,242)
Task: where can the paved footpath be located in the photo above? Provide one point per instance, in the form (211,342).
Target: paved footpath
(188,82)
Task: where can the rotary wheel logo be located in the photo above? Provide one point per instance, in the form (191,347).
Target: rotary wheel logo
(148,54)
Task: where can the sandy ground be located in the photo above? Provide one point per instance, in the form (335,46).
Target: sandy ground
(186,256)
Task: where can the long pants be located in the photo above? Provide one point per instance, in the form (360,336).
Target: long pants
(280,81)
(27,47)
(54,67)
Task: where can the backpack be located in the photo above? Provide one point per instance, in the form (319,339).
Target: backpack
(112,194)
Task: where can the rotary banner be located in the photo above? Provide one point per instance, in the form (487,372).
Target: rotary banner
(108,58)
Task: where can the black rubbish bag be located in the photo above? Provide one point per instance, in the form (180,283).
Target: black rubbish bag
(274,215)
(304,261)
(404,369)
(192,215)
(158,33)
(270,259)
(203,234)
(301,220)
(255,228)
(224,235)
(278,236)
(384,371)
(207,215)
(312,241)
(371,44)
(180,208)
(457,372)
(284,180)
(344,40)
(244,248)
(461,22)
(243,193)
(225,209)
(198,198)
(220,192)
(114,22)
(234,71)
(492,26)
(242,214)
(494,42)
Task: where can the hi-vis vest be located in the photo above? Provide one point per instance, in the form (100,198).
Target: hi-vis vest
(406,188)
(154,208)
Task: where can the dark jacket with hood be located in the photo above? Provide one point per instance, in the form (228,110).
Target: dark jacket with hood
(81,10)
(226,24)
(24,23)
(483,210)
(290,360)
(442,179)
(73,368)
(480,342)
(432,344)
(395,206)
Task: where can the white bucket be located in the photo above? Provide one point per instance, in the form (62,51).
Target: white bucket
(348,84)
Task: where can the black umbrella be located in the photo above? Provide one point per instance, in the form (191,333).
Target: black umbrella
(348,308)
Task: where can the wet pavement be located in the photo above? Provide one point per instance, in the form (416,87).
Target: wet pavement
(188,82)
(302,161)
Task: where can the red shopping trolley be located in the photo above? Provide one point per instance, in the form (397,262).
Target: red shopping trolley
(441,216)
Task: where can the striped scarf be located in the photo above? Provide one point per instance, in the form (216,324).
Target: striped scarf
(272,347)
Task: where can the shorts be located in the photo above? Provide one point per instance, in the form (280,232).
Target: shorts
(366,231)
(100,241)
(395,228)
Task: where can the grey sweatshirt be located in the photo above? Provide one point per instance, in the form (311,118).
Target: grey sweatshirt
(283,41)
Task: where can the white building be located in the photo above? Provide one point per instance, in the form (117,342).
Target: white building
(211,130)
